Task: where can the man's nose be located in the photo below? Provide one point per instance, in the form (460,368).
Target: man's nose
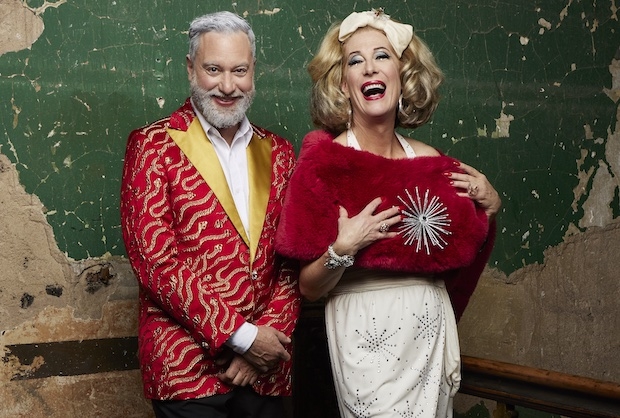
(227,84)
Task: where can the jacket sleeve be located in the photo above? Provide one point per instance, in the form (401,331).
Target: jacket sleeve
(283,310)
(151,243)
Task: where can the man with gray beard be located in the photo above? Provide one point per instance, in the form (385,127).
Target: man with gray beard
(201,196)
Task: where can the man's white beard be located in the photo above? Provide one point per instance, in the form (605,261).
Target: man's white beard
(217,117)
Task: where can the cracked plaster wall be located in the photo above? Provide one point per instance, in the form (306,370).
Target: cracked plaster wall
(531,98)
(47,297)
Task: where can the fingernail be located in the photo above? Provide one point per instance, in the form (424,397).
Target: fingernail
(447,174)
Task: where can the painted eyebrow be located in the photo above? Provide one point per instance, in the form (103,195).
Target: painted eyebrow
(379,48)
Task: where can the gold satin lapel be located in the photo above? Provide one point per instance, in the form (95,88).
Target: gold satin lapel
(199,150)
(259,173)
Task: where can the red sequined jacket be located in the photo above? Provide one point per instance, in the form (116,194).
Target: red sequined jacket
(441,234)
(200,277)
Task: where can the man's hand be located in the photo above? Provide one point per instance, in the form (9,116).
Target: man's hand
(268,349)
(239,372)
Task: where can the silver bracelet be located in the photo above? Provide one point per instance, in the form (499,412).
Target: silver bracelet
(334,260)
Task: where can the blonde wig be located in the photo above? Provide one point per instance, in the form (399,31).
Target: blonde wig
(419,75)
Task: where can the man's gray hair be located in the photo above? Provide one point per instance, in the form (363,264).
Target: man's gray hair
(220,22)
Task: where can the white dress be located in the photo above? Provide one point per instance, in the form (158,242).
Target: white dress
(393,343)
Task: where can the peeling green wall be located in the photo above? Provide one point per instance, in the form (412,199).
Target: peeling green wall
(529,99)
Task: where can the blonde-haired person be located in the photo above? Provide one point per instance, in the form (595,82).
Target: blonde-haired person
(391,232)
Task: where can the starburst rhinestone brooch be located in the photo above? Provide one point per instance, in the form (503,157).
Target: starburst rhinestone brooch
(425,221)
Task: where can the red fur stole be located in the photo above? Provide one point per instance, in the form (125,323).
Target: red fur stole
(440,231)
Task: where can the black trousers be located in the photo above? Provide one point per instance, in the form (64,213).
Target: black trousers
(242,402)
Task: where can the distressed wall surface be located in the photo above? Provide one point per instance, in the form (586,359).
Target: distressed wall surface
(531,99)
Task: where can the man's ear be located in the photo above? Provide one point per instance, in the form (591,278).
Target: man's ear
(189,65)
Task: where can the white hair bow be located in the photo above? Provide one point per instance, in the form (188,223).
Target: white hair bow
(399,34)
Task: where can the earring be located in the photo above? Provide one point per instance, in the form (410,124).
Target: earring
(350,112)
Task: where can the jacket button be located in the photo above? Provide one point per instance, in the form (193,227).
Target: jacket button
(254,275)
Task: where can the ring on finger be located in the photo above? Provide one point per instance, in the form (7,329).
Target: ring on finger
(383,228)
(472,190)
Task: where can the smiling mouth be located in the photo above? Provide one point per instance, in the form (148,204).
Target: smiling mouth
(373,89)
(225,100)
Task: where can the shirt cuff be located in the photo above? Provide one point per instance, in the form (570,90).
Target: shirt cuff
(242,339)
